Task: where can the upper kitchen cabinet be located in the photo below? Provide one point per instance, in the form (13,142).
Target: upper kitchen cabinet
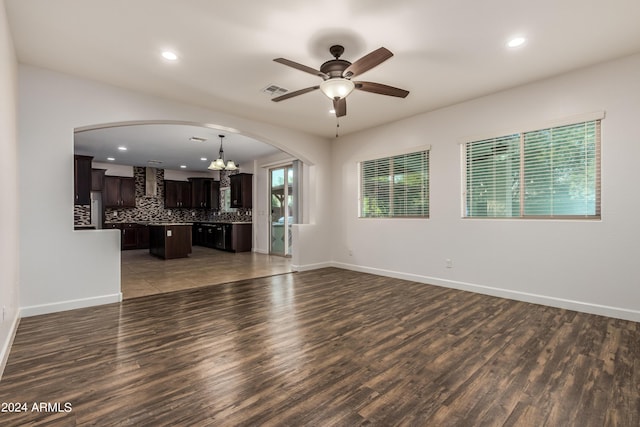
(82,179)
(97,179)
(241,190)
(215,195)
(204,193)
(119,192)
(177,194)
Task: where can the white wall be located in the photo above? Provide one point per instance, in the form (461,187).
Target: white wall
(9,277)
(63,269)
(585,265)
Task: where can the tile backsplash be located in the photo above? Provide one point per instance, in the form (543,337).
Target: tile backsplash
(151,208)
(81,214)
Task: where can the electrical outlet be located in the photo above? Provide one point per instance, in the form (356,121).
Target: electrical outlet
(448,263)
(350,252)
(4,312)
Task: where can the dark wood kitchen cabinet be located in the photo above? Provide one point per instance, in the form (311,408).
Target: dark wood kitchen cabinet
(204,193)
(97,179)
(215,195)
(132,235)
(241,190)
(170,240)
(241,238)
(119,192)
(82,179)
(177,194)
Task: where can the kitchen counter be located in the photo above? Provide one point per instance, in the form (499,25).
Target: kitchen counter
(84,227)
(170,240)
(224,222)
(162,224)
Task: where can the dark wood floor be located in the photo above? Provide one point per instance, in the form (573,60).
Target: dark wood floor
(325,348)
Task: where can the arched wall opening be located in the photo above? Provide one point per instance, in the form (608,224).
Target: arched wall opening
(179,149)
(57,269)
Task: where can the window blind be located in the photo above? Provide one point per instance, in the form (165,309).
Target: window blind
(395,186)
(493,177)
(560,171)
(546,173)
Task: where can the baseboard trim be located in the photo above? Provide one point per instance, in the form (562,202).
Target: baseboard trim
(581,306)
(308,267)
(8,343)
(36,310)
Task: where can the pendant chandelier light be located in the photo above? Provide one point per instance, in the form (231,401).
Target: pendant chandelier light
(219,163)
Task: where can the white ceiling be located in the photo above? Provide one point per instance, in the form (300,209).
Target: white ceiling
(445,51)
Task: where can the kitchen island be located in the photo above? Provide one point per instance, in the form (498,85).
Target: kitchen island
(170,240)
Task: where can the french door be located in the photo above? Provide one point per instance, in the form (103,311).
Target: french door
(284,207)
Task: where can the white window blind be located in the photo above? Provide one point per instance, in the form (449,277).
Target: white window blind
(546,173)
(395,186)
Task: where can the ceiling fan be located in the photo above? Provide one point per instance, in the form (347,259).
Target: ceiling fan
(337,74)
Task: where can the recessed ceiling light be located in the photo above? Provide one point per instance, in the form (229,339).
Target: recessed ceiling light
(183,166)
(121,148)
(516,42)
(168,55)
(111,159)
(204,159)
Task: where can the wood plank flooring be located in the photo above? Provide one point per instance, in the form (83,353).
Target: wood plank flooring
(324,348)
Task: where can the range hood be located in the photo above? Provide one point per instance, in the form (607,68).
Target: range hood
(150,182)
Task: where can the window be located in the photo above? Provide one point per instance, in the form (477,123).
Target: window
(546,173)
(395,186)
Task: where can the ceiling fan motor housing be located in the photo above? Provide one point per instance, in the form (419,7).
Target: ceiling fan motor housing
(334,67)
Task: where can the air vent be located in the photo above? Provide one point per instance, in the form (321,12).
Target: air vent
(154,162)
(197,139)
(275,90)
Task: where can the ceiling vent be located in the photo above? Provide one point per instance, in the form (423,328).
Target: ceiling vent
(275,90)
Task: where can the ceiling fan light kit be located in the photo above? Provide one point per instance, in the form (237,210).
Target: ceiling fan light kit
(337,88)
(337,74)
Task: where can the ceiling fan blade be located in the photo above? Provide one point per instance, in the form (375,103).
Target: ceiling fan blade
(294,93)
(340,106)
(367,62)
(301,67)
(381,89)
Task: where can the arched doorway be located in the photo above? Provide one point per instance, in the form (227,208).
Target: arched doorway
(175,151)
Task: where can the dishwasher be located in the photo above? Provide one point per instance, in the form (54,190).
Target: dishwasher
(222,235)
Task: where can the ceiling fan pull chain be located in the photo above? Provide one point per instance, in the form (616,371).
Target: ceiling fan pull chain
(337,126)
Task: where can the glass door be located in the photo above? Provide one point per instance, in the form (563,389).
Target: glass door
(283,209)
